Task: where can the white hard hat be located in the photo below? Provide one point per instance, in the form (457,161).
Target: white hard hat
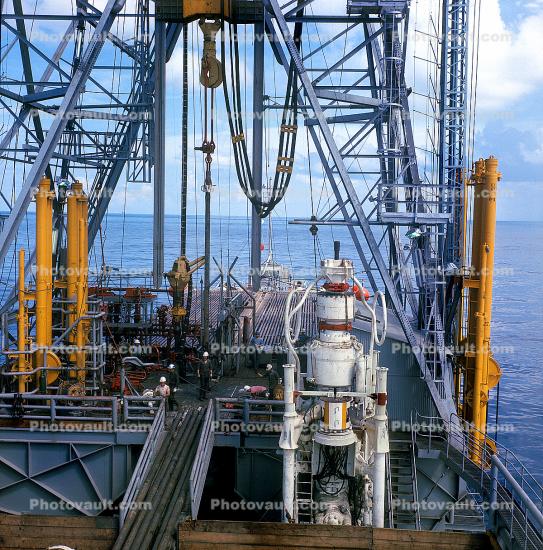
(206,354)
(162,379)
(246,388)
(269,366)
(171,366)
(136,341)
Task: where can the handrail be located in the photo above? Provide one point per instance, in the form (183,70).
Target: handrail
(389,489)
(88,408)
(144,461)
(202,460)
(246,411)
(415,481)
(516,497)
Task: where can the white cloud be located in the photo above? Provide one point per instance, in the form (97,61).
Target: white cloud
(510,66)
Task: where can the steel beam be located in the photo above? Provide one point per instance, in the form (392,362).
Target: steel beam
(159,153)
(363,222)
(81,74)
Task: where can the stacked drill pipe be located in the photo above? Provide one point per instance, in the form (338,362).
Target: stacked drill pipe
(166,488)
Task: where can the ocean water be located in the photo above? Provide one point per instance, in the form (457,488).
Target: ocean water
(517,327)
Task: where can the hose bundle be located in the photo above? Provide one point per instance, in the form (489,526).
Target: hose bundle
(287,136)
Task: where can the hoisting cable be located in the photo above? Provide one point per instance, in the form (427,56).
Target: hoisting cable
(288,131)
(211,76)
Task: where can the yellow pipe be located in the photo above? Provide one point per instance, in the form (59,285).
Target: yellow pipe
(490,183)
(82,288)
(21,323)
(44,268)
(72,257)
(473,293)
(478,420)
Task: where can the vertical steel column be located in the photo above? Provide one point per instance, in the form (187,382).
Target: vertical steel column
(258,131)
(159,152)
(207,253)
(184,141)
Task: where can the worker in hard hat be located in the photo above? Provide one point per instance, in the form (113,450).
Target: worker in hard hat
(163,390)
(173,381)
(273,377)
(135,349)
(205,372)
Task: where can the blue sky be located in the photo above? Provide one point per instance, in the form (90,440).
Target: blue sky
(509,120)
(509,116)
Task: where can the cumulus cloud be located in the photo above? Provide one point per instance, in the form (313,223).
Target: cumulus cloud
(510,66)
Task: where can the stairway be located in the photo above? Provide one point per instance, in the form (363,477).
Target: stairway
(403,486)
(304,485)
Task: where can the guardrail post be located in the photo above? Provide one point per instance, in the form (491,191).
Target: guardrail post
(125,408)
(52,405)
(246,412)
(114,415)
(493,491)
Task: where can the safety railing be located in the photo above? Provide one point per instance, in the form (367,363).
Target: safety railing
(137,408)
(389,493)
(414,480)
(258,416)
(59,408)
(513,496)
(201,461)
(410,203)
(144,461)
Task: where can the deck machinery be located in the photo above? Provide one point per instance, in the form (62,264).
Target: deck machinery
(343,431)
(427,262)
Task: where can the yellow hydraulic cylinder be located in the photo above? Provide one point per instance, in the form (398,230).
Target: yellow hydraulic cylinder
(473,292)
(72,256)
(490,179)
(44,269)
(481,371)
(82,290)
(22,324)
(478,419)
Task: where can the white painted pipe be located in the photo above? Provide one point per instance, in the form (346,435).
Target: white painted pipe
(288,445)
(379,482)
(289,462)
(382,448)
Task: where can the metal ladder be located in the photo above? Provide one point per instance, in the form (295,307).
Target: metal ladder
(403,485)
(304,486)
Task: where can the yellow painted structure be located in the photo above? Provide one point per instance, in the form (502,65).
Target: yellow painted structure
(22,326)
(77,269)
(481,372)
(44,271)
(72,256)
(82,291)
(189,10)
